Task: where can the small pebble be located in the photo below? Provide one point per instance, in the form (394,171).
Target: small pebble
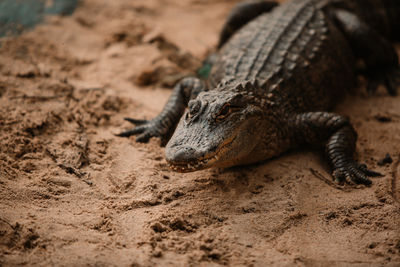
(386,160)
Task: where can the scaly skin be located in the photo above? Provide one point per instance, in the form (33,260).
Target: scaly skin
(271,81)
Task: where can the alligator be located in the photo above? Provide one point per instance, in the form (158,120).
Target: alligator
(278,71)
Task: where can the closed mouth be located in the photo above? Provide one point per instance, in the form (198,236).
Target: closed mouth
(194,165)
(201,163)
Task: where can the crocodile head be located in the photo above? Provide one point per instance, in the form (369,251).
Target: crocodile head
(217,130)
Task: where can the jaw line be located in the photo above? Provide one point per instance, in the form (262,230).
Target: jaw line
(202,163)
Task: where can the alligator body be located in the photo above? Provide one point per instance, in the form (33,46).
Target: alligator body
(277,71)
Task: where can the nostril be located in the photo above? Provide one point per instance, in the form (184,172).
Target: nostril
(194,106)
(182,154)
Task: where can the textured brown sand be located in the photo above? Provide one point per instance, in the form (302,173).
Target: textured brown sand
(72,194)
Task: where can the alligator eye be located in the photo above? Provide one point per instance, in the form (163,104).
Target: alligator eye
(187,117)
(224,112)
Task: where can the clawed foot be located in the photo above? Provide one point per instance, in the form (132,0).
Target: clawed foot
(354,173)
(145,129)
(389,78)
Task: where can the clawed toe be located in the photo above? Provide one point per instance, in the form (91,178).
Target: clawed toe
(135,121)
(368,172)
(146,129)
(134,131)
(144,137)
(140,129)
(354,173)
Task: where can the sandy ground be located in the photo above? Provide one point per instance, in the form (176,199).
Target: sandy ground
(72,194)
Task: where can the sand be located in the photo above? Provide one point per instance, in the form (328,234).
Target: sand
(73,194)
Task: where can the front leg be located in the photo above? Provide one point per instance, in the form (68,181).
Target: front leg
(164,124)
(339,137)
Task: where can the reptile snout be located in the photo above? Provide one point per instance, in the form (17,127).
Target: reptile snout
(180,154)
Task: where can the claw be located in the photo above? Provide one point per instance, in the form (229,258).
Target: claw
(351,180)
(354,173)
(137,130)
(145,129)
(135,121)
(143,138)
(339,176)
(368,172)
(360,180)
